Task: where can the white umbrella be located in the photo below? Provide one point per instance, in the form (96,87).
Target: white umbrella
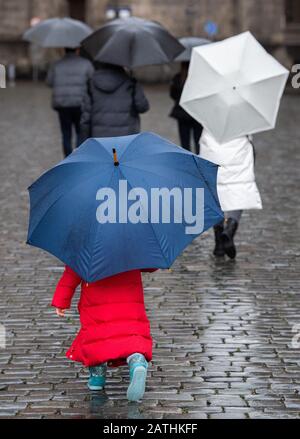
(58,32)
(234,87)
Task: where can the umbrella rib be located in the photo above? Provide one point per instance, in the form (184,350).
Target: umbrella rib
(48,36)
(136,138)
(152,228)
(212,66)
(98,52)
(93,35)
(195,98)
(131,45)
(157,43)
(59,165)
(204,179)
(266,79)
(161,47)
(208,187)
(226,120)
(156,173)
(44,32)
(259,82)
(90,140)
(122,153)
(57,200)
(256,109)
(180,149)
(133,36)
(88,162)
(97,233)
(244,52)
(200,172)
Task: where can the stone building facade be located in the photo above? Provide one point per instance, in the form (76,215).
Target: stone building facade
(276,23)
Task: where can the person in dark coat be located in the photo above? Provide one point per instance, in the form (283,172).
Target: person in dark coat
(187,126)
(112,105)
(69,78)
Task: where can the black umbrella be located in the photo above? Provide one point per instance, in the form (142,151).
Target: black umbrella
(132,42)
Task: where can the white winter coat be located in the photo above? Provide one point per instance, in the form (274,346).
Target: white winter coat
(237,189)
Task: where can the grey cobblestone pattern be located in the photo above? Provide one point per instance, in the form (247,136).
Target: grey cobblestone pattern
(222,329)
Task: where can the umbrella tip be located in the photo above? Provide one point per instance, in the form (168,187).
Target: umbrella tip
(116,162)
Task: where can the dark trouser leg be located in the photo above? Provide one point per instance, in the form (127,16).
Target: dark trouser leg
(197,131)
(184,134)
(232,219)
(219,250)
(65,120)
(234,214)
(76,116)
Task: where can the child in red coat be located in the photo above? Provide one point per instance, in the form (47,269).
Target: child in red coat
(114,326)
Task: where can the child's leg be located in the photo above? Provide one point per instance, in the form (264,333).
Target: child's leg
(97,377)
(138,374)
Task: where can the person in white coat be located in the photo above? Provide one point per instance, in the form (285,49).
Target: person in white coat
(237,189)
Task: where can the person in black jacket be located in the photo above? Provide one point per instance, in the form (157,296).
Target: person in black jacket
(187,126)
(112,105)
(68,78)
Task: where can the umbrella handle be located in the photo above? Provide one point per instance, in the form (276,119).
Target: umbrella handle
(116,162)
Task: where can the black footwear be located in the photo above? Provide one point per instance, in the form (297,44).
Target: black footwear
(219,249)
(227,236)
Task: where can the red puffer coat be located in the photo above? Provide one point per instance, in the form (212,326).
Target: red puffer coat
(113,319)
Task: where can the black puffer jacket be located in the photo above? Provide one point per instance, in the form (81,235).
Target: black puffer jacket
(69,78)
(112,105)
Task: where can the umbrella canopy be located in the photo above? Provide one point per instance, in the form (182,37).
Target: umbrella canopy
(96,210)
(189,43)
(58,32)
(234,87)
(132,42)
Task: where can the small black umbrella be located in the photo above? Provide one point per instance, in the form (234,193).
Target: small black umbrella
(132,42)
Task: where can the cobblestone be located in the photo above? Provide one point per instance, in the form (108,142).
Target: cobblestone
(222,329)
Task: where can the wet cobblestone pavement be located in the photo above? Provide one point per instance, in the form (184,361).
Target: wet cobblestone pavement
(223,330)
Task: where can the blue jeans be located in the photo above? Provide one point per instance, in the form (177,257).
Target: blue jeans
(69,117)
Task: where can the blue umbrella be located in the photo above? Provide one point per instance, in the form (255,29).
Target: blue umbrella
(123,203)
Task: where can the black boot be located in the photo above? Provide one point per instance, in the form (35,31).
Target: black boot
(219,249)
(229,231)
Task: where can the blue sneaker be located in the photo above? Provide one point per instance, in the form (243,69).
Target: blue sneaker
(138,373)
(97,377)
